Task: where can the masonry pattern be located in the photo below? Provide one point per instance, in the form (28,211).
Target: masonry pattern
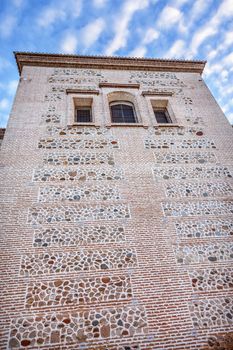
(179,144)
(198,208)
(204,228)
(82,235)
(48,214)
(63,168)
(195,172)
(76,174)
(213,252)
(174,165)
(176,132)
(97,260)
(78,159)
(51,143)
(185,158)
(78,131)
(214,279)
(212,312)
(76,194)
(84,260)
(78,291)
(77,327)
(208,189)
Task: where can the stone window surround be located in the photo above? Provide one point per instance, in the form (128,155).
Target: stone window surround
(102,98)
(163,101)
(72,96)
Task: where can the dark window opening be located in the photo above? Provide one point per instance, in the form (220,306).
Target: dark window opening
(122,113)
(162,116)
(83,115)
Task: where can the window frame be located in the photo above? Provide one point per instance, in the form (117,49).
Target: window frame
(89,108)
(127,103)
(166,114)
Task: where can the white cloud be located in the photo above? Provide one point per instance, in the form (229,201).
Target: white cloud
(200,36)
(212,54)
(9,88)
(18,3)
(199,7)
(12,86)
(228,90)
(169,17)
(121,24)
(4,103)
(69,44)
(177,50)
(224,11)
(228,60)
(7,26)
(230,118)
(91,32)
(212,69)
(49,16)
(59,11)
(179,3)
(3,120)
(139,51)
(99,3)
(4,64)
(150,36)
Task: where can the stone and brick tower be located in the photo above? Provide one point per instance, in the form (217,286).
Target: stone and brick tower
(116,207)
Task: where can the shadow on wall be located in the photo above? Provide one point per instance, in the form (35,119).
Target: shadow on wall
(220,342)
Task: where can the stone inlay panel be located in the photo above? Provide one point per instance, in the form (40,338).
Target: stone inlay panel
(83,260)
(85,234)
(209,313)
(78,291)
(185,158)
(193,172)
(204,228)
(59,193)
(77,131)
(221,341)
(78,327)
(211,279)
(71,174)
(42,215)
(198,189)
(51,143)
(156,79)
(179,144)
(198,208)
(79,159)
(194,120)
(51,118)
(63,73)
(53,97)
(211,253)
(176,131)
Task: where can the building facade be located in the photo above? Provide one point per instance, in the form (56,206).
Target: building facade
(116,180)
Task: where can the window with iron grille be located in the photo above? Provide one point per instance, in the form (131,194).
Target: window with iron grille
(123,112)
(83,115)
(162,116)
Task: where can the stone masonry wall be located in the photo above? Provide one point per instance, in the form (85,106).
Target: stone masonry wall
(115,237)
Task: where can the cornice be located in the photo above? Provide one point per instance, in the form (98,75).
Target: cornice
(106,62)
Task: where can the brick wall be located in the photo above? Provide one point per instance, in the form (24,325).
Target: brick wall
(115,237)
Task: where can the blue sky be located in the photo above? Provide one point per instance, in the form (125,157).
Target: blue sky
(182,29)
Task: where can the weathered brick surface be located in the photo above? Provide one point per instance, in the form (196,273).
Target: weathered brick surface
(107,246)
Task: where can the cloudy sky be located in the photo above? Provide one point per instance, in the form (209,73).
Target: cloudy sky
(184,29)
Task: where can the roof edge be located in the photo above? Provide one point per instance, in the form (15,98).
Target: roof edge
(107,62)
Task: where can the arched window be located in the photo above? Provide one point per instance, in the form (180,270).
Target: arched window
(122,112)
